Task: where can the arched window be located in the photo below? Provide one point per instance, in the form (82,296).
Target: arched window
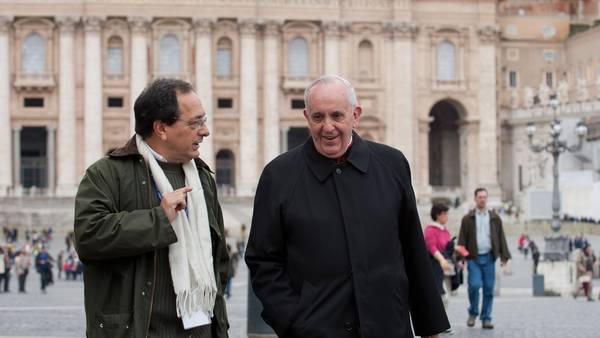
(365,60)
(298,57)
(224,47)
(33,54)
(170,55)
(114,56)
(225,170)
(445,61)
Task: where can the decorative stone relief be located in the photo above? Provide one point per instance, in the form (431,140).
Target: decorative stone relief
(248,27)
(272,28)
(5,22)
(203,26)
(544,93)
(488,34)
(562,91)
(401,30)
(66,24)
(139,24)
(527,97)
(93,23)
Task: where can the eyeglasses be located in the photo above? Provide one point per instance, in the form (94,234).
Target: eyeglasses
(196,123)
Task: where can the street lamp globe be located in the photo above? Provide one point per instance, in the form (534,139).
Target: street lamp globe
(553,103)
(531,129)
(581,129)
(555,128)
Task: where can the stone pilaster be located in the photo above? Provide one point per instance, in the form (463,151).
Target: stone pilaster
(271,91)
(421,174)
(332,31)
(92,122)
(488,116)
(203,31)
(139,60)
(51,155)
(16,160)
(6,179)
(403,119)
(67,149)
(248,111)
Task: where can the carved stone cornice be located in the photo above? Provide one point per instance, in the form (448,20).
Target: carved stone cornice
(401,30)
(332,28)
(5,23)
(139,24)
(93,24)
(203,26)
(66,24)
(248,27)
(272,28)
(489,34)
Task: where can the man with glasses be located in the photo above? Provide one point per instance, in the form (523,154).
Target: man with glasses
(149,227)
(336,247)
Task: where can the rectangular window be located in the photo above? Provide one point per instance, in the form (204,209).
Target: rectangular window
(114,102)
(512,79)
(550,79)
(224,103)
(114,61)
(297,104)
(33,102)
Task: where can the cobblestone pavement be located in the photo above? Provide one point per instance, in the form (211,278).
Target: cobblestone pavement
(60,313)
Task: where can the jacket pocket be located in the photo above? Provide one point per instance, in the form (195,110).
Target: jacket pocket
(114,325)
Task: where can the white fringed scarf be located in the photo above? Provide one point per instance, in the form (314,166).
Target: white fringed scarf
(190,257)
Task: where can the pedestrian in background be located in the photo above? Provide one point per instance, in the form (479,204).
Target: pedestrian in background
(584,264)
(43,264)
(437,238)
(482,234)
(22,265)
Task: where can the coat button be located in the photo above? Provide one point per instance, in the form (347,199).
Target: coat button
(143,293)
(101,325)
(338,171)
(348,327)
(143,182)
(148,283)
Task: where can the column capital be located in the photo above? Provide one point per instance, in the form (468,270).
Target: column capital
(332,28)
(272,27)
(248,27)
(5,23)
(401,29)
(489,34)
(139,24)
(203,26)
(93,24)
(66,23)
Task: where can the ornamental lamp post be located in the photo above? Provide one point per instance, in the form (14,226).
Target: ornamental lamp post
(556,245)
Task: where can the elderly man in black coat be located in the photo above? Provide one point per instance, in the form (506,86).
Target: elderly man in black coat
(336,247)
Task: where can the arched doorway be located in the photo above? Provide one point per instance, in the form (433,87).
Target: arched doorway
(226,172)
(444,149)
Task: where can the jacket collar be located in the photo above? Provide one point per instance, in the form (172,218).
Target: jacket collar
(130,149)
(322,166)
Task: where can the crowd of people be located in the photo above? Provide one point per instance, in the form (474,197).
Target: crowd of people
(17,259)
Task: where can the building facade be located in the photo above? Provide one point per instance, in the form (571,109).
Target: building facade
(438,80)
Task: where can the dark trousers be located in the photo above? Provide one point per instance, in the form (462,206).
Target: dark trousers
(45,279)
(6,280)
(22,279)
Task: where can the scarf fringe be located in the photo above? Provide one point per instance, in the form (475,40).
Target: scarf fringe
(199,298)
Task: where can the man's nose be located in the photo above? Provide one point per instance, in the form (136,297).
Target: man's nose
(203,131)
(328,125)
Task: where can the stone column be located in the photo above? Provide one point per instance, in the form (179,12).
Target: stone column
(423,188)
(51,155)
(139,60)
(67,150)
(203,31)
(248,110)
(6,179)
(331,30)
(271,91)
(403,122)
(488,116)
(16,160)
(92,121)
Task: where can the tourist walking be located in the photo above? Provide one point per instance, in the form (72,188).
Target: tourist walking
(22,265)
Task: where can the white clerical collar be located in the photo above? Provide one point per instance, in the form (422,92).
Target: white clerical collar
(478,211)
(156,155)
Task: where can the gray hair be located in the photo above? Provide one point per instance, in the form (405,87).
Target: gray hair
(326,79)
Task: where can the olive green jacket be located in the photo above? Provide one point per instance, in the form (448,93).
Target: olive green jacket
(119,226)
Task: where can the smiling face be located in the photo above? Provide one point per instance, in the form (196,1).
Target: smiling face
(331,118)
(182,139)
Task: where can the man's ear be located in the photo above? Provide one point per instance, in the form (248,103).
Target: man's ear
(305,112)
(160,130)
(356,116)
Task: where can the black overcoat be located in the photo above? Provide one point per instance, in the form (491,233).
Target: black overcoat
(337,250)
